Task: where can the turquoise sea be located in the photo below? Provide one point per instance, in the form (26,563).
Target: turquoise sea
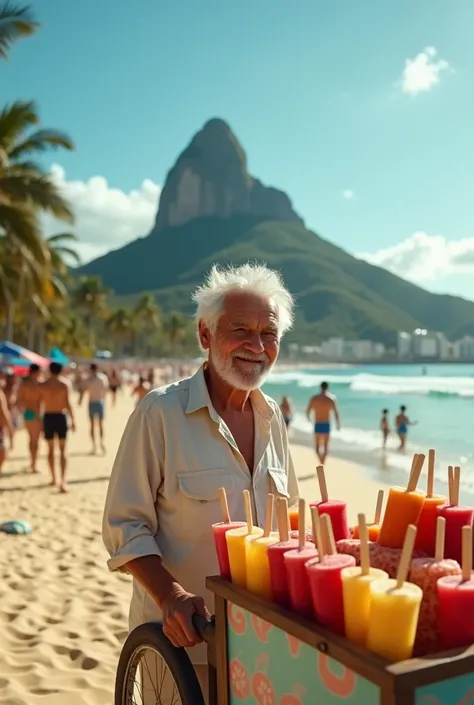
(441,401)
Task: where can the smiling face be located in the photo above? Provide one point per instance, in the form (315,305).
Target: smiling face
(246,342)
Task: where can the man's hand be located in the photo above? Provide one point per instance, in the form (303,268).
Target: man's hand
(73,426)
(178,609)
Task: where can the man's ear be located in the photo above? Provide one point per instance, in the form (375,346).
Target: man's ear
(204,335)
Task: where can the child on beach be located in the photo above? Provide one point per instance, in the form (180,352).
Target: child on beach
(384,427)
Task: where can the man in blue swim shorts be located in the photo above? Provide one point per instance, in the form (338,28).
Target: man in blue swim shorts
(320,407)
(401,424)
(96,386)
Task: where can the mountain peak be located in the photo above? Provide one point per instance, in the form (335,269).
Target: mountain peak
(210,178)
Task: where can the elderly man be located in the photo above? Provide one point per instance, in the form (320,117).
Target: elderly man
(185,441)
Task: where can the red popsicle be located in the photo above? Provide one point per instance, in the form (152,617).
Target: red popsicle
(295,561)
(325,582)
(336,509)
(426,525)
(456,601)
(456,517)
(219,530)
(275,553)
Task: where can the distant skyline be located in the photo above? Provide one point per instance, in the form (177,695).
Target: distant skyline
(361,113)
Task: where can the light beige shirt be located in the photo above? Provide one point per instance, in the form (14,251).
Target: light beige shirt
(175,454)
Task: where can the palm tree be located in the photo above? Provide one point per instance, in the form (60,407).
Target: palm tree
(176,326)
(147,319)
(121,325)
(91,297)
(15,22)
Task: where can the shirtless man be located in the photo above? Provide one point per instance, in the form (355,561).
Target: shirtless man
(401,424)
(141,390)
(56,408)
(29,404)
(96,385)
(6,425)
(321,405)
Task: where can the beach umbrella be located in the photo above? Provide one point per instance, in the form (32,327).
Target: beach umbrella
(9,351)
(56,355)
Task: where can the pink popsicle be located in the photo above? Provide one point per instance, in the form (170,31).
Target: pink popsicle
(456,601)
(275,553)
(326,589)
(295,560)
(219,530)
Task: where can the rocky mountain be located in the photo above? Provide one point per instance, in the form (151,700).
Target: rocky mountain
(210,178)
(212,210)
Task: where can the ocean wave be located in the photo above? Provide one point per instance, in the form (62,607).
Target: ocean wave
(381,384)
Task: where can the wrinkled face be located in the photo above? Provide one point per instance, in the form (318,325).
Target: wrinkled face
(245,344)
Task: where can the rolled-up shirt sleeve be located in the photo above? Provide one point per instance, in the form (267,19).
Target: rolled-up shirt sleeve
(130,521)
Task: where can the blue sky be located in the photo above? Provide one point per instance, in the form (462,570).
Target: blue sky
(360,111)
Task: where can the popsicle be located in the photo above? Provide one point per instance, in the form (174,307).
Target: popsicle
(456,518)
(403,508)
(275,553)
(235,539)
(293,517)
(295,560)
(374,528)
(335,508)
(383,558)
(456,601)
(356,594)
(425,572)
(394,609)
(256,557)
(219,530)
(426,525)
(325,581)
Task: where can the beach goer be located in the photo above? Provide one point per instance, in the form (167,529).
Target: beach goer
(186,440)
(96,386)
(6,427)
(141,390)
(401,424)
(115,382)
(56,410)
(384,427)
(29,404)
(320,407)
(287,411)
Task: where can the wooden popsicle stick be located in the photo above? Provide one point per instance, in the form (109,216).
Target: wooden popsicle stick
(364,545)
(413,466)
(316,524)
(268,515)
(378,507)
(415,475)
(407,551)
(323,488)
(450,484)
(248,511)
(282,518)
(224,505)
(440,534)
(456,485)
(327,529)
(301,524)
(431,467)
(466,552)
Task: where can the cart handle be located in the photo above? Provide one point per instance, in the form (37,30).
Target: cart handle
(205,628)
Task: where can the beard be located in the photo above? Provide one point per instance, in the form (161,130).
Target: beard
(241,375)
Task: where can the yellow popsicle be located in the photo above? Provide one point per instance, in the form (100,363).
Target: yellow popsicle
(236,540)
(393,618)
(357,598)
(257,565)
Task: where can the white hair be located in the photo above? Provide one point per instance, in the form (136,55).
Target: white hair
(252,278)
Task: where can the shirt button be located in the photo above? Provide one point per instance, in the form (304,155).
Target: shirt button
(203,501)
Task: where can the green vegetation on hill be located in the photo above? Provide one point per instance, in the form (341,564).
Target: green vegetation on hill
(337,294)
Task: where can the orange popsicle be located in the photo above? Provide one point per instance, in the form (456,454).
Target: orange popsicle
(426,527)
(373,529)
(403,508)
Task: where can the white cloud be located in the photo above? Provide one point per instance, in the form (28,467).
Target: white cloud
(423,258)
(348,194)
(106,217)
(423,72)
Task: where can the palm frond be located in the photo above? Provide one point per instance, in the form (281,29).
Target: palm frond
(41,141)
(37,192)
(15,23)
(15,119)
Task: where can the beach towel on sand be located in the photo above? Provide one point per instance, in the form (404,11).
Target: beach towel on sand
(16,527)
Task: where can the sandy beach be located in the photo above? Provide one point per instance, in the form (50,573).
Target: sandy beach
(63,616)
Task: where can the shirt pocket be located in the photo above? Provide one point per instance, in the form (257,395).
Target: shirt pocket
(200,506)
(279,481)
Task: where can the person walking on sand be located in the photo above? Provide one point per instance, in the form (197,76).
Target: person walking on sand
(6,427)
(384,427)
(185,441)
(287,411)
(56,409)
(115,382)
(401,424)
(29,404)
(96,386)
(320,407)
(141,390)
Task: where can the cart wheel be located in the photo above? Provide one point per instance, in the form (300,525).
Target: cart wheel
(151,671)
